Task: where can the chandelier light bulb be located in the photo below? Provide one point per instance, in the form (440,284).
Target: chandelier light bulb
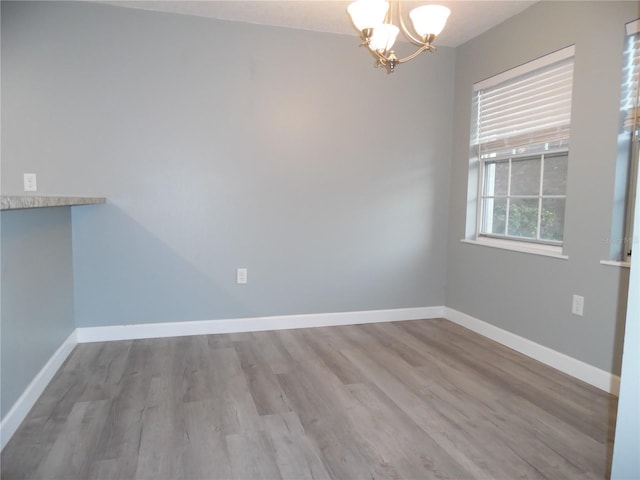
(368,13)
(383,38)
(429,19)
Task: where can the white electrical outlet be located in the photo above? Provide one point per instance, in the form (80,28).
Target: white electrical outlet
(241,276)
(30,184)
(577,307)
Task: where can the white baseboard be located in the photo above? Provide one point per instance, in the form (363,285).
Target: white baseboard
(583,371)
(255,324)
(14,417)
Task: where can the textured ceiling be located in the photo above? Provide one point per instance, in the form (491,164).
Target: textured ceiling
(468,18)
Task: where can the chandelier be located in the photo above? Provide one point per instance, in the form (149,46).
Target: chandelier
(374,20)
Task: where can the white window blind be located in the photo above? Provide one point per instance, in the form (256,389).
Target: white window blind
(526,109)
(631,80)
(630,107)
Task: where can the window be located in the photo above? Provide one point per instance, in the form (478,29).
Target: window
(524,197)
(629,149)
(520,143)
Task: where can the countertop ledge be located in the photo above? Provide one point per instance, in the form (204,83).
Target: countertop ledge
(16,202)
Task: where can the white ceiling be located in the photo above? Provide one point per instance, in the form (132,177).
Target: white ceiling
(469,18)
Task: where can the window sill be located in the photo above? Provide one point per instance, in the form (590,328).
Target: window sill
(533,249)
(614,263)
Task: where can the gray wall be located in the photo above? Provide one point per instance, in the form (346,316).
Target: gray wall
(222,145)
(531,295)
(37,294)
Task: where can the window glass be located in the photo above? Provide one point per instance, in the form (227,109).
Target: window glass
(552,220)
(525,177)
(495,216)
(555,175)
(523,217)
(496,180)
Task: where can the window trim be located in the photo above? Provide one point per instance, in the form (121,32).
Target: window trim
(552,251)
(528,67)
(614,263)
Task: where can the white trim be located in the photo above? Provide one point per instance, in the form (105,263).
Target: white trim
(583,371)
(523,247)
(633,27)
(14,417)
(539,62)
(254,324)
(615,263)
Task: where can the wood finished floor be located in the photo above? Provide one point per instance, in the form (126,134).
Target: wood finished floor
(410,400)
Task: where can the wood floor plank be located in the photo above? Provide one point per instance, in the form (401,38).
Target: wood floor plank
(267,394)
(119,442)
(406,400)
(551,376)
(514,412)
(159,452)
(73,451)
(251,457)
(398,440)
(389,341)
(272,352)
(509,378)
(106,470)
(326,351)
(520,418)
(293,342)
(205,450)
(296,454)
(327,424)
(229,392)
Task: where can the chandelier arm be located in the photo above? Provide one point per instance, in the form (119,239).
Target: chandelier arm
(382,60)
(424,48)
(406,31)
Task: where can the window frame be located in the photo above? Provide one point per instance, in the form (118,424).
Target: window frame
(540,196)
(632,191)
(633,32)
